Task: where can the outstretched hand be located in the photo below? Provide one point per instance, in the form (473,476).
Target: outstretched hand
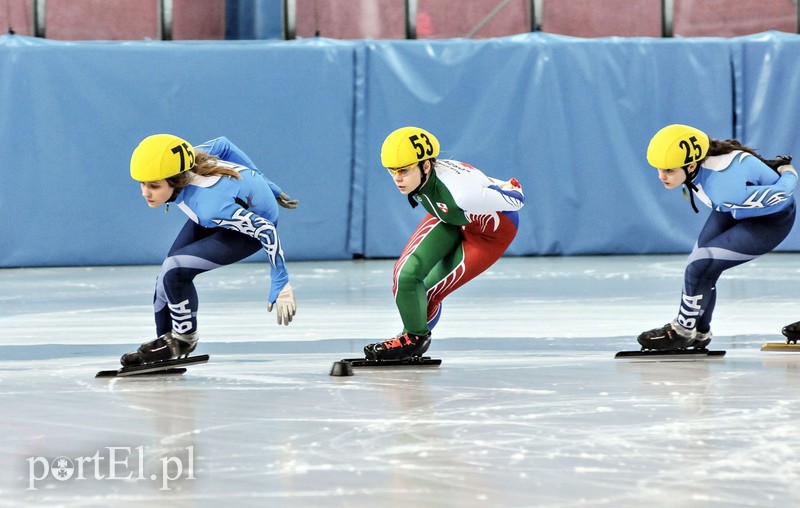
(285,304)
(285,201)
(512,184)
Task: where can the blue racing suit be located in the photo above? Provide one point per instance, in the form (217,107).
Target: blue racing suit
(230,220)
(752,211)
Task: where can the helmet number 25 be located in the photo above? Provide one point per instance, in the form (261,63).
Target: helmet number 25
(187,157)
(422,149)
(693,150)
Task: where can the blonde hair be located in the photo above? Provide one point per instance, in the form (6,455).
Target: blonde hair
(204,165)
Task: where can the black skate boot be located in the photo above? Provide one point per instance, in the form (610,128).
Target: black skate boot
(791,332)
(673,336)
(403,346)
(701,340)
(169,346)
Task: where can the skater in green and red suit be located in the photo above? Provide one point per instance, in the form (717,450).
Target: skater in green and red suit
(471,220)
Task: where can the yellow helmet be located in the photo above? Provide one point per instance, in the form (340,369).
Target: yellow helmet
(161,156)
(408,145)
(676,146)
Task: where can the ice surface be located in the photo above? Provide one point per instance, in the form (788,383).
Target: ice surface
(529,407)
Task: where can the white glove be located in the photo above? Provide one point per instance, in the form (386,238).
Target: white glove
(787,167)
(285,304)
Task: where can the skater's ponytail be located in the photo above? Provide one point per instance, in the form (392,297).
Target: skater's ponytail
(204,165)
(725,146)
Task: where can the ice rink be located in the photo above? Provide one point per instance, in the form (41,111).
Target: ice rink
(528,409)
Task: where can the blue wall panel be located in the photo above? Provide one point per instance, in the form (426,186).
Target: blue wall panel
(767,68)
(570,118)
(74,112)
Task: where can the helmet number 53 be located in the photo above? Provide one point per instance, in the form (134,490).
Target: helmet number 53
(692,148)
(422,149)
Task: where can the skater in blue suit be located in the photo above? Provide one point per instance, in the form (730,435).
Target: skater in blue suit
(752,211)
(233,213)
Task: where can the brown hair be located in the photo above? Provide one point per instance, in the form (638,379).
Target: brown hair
(204,165)
(723,146)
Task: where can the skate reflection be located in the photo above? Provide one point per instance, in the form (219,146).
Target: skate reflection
(425,438)
(167,432)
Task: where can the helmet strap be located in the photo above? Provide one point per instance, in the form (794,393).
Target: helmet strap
(422,181)
(692,188)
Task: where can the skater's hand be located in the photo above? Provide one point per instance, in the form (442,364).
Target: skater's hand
(285,304)
(786,167)
(510,185)
(285,201)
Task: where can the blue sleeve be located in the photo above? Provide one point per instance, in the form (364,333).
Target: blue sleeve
(759,200)
(264,231)
(223,148)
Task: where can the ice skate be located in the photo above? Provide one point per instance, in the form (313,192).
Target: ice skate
(169,346)
(791,332)
(403,346)
(673,336)
(702,340)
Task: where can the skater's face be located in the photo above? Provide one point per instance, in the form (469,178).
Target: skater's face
(156,193)
(672,178)
(407,179)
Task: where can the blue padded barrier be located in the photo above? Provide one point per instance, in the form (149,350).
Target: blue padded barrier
(569,117)
(767,97)
(74,112)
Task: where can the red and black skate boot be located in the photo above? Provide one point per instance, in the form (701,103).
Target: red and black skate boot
(403,346)
(673,336)
(169,346)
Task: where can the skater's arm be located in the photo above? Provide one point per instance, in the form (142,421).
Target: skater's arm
(281,295)
(759,200)
(500,196)
(223,148)
(264,231)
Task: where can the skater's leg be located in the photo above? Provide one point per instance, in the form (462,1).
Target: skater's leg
(189,234)
(722,245)
(443,259)
(432,241)
(195,251)
(483,244)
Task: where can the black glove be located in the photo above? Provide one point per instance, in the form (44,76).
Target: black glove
(780,160)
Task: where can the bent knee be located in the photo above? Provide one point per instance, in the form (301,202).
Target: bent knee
(410,272)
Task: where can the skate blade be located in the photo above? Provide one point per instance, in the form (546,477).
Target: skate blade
(414,361)
(165,367)
(677,354)
(780,346)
